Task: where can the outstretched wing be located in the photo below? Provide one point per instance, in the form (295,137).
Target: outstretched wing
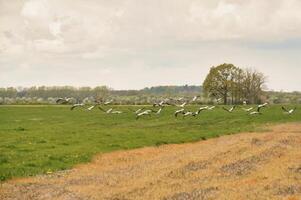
(225,109)
(100,108)
(259,107)
(284,109)
(60,100)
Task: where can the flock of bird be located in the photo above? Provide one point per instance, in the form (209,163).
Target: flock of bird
(181,103)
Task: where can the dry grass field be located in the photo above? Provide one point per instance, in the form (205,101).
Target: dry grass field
(265,165)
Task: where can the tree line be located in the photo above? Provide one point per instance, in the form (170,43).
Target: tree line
(48,94)
(226,81)
(234,85)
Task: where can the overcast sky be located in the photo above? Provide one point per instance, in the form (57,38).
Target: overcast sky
(131,44)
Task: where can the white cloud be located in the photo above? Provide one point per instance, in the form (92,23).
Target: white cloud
(159,34)
(36,9)
(88,25)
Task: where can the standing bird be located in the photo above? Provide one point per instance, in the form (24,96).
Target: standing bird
(76,105)
(230,110)
(291,111)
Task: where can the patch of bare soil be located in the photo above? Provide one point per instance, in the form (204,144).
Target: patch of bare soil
(241,166)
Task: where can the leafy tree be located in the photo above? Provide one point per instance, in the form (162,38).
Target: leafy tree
(230,82)
(220,81)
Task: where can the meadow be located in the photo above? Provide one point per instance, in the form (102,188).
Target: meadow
(43,139)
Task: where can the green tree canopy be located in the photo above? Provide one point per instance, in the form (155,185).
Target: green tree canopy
(229,82)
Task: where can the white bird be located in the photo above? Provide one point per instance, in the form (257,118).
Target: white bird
(195,98)
(230,110)
(150,110)
(255,113)
(138,110)
(161,103)
(261,106)
(76,105)
(116,112)
(63,100)
(189,113)
(203,108)
(159,111)
(197,112)
(91,107)
(108,102)
(291,111)
(158,104)
(211,108)
(248,109)
(146,112)
(106,111)
(244,102)
(109,110)
(218,100)
(181,111)
(182,105)
(180,99)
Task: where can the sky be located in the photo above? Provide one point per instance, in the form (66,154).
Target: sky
(132,44)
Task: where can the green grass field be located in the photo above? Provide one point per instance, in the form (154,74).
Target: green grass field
(41,139)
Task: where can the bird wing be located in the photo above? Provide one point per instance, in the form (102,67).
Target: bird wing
(140,109)
(232,108)
(225,109)
(108,102)
(158,111)
(183,104)
(258,108)
(91,107)
(283,108)
(178,112)
(109,110)
(59,100)
(100,108)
